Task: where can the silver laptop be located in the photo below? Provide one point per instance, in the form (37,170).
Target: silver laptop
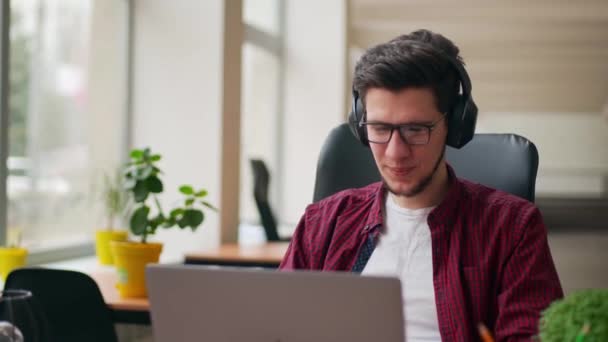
(199,303)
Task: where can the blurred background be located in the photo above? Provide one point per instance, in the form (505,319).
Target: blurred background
(211,84)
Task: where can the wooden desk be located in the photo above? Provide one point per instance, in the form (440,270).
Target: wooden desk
(124,310)
(137,310)
(268,255)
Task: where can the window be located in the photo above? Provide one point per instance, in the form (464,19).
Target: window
(259,122)
(261,103)
(66,124)
(263,15)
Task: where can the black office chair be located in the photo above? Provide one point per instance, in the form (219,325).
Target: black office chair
(506,162)
(71,302)
(261,181)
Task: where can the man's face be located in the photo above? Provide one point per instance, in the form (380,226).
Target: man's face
(407,170)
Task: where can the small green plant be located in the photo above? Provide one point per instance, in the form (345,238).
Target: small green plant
(580,316)
(141,179)
(115,199)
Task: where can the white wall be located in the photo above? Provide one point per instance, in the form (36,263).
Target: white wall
(315,50)
(106,83)
(178,102)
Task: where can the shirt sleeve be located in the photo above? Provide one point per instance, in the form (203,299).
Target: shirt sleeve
(296,256)
(529,283)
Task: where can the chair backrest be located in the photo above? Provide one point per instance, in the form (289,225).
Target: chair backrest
(507,162)
(71,302)
(261,181)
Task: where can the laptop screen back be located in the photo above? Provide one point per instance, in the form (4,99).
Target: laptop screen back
(198,303)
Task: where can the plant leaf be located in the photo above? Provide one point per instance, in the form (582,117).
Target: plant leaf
(209,205)
(140,191)
(154,184)
(176,212)
(169,222)
(201,193)
(139,220)
(144,172)
(182,222)
(136,154)
(186,190)
(193,218)
(189,201)
(156,221)
(155,158)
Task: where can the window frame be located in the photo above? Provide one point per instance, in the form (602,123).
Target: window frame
(5,24)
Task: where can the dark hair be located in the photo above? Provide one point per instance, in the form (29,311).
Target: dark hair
(419,59)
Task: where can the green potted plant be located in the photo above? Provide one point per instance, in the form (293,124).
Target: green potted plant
(13,255)
(580,316)
(142,180)
(115,202)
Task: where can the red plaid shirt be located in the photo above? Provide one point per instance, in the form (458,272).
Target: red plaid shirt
(491,259)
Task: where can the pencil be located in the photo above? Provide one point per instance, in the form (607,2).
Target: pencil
(484,333)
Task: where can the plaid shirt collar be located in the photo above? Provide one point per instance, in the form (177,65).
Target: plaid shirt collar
(444,212)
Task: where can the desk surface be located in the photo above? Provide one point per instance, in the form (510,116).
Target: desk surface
(266,255)
(269,254)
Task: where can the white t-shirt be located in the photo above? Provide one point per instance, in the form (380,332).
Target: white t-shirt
(404,250)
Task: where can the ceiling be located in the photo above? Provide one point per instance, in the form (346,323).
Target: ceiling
(522,56)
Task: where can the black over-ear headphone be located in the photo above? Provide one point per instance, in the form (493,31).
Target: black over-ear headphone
(461,118)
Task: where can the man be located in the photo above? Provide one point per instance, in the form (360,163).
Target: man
(466,254)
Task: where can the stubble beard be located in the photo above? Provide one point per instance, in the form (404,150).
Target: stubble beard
(421,186)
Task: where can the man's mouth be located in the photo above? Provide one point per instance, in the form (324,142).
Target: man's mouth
(401,171)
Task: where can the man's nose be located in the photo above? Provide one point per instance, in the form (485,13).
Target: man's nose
(397,147)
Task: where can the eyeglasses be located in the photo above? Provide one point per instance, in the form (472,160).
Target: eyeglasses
(412,134)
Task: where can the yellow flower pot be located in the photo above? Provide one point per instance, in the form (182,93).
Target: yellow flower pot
(131,259)
(102,244)
(10,259)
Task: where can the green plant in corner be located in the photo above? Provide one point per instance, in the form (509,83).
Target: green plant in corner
(115,199)
(142,180)
(579,316)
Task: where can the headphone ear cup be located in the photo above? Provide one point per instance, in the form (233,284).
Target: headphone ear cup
(352,119)
(355,117)
(461,122)
(453,120)
(469,121)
